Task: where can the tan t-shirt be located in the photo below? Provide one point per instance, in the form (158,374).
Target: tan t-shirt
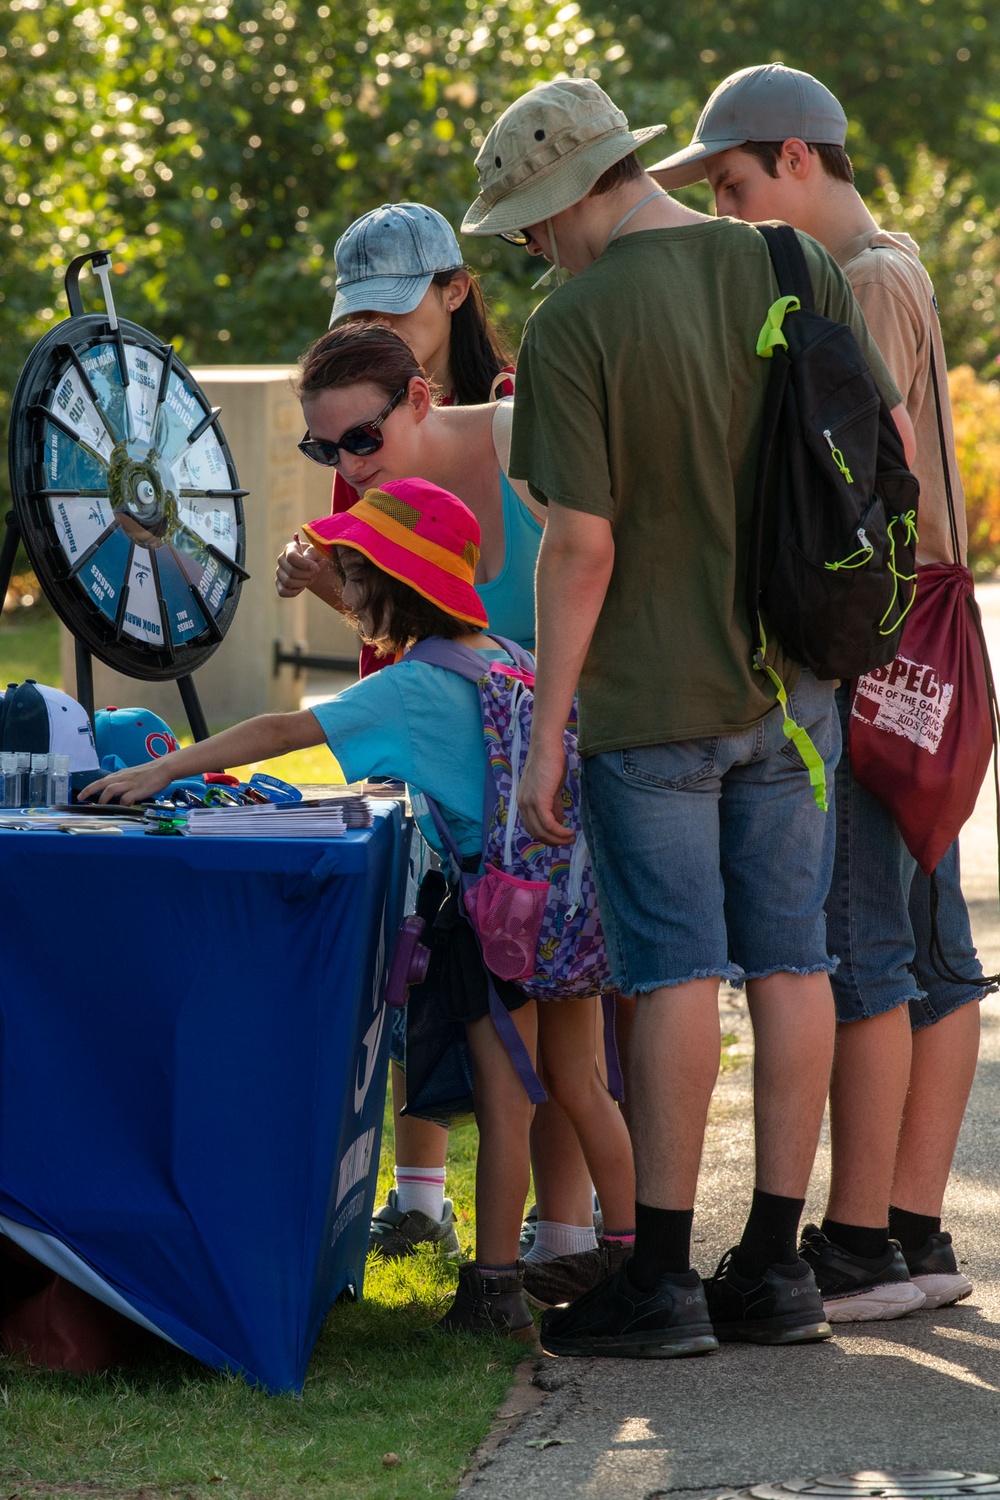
(896,296)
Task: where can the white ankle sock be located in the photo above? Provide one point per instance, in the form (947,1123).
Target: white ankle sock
(553,1240)
(420,1188)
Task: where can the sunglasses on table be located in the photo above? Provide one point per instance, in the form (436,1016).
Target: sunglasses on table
(362,440)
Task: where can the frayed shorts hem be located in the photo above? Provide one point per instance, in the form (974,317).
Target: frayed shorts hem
(729,972)
(924,1013)
(826,967)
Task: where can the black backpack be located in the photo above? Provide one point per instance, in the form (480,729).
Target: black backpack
(832,570)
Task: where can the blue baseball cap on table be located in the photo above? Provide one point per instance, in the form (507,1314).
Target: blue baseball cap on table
(134,735)
(388,258)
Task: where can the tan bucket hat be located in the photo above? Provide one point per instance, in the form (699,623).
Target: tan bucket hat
(545,153)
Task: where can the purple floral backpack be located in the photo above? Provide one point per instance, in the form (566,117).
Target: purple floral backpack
(534,907)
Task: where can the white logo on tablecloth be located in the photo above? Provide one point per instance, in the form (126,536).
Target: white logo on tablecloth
(373,1036)
(906,698)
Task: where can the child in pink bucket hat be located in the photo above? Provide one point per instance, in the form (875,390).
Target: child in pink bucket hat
(406,556)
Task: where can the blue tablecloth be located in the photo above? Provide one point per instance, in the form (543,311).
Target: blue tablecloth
(192,1075)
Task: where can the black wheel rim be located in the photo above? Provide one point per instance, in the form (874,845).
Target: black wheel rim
(126,496)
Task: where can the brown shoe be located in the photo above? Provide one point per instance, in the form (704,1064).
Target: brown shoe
(490,1302)
(552,1283)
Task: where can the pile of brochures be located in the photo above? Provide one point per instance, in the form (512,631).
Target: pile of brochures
(328,819)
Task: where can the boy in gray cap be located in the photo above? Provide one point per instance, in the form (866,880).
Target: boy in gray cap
(637,419)
(770,140)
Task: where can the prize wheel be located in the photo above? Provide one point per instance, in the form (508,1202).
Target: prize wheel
(125,493)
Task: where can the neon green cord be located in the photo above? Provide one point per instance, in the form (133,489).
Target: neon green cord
(771,336)
(811,758)
(909,520)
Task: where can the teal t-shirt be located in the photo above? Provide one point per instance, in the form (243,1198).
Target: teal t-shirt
(509,599)
(422,725)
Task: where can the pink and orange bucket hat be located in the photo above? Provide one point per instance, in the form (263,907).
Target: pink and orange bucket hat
(416,532)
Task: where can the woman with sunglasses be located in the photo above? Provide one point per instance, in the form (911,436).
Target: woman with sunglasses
(372,417)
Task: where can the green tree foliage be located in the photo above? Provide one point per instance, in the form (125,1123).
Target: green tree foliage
(909,73)
(219,148)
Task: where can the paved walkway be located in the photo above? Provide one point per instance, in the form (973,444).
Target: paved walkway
(921,1393)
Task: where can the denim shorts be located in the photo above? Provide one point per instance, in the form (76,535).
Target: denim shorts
(878,914)
(711,855)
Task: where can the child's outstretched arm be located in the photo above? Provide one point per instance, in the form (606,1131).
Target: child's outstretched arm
(254,739)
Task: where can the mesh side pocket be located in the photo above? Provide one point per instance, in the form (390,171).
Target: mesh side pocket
(507,915)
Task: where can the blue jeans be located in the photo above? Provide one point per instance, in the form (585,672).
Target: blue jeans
(878,914)
(710,855)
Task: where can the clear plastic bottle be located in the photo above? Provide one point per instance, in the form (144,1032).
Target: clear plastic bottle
(8,783)
(59,780)
(22,770)
(38,782)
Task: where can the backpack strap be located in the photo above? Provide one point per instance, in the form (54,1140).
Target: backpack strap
(437,652)
(795,284)
(789,262)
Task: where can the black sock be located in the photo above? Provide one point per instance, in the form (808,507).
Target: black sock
(662,1244)
(856,1239)
(911,1230)
(771,1234)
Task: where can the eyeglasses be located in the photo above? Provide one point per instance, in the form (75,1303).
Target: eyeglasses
(361,440)
(515,236)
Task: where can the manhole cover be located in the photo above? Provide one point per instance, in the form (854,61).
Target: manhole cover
(878,1484)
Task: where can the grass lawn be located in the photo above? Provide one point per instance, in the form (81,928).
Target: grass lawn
(29,645)
(166,1425)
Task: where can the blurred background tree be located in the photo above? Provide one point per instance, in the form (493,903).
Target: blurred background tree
(219,148)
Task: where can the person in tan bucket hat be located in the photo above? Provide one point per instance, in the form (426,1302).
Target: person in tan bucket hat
(637,416)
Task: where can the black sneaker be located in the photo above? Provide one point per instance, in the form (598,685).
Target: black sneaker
(934,1270)
(395,1235)
(615,1320)
(782,1306)
(855,1289)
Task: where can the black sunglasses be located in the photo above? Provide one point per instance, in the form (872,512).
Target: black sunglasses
(361,440)
(515,236)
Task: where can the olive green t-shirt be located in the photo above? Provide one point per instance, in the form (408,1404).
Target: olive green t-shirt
(639,398)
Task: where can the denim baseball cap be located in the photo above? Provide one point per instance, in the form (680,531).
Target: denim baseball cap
(388,258)
(546,152)
(766,103)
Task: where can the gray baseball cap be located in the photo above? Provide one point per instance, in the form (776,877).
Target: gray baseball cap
(388,258)
(545,153)
(766,103)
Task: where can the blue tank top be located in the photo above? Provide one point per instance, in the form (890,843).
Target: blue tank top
(509,598)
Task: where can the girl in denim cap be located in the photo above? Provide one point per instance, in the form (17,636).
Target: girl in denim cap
(401,265)
(405,556)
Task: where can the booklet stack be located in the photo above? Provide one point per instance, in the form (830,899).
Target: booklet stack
(328,818)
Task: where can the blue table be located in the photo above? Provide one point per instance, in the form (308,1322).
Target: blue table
(193,1051)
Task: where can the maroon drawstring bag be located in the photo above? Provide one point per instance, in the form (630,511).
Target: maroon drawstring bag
(922,729)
